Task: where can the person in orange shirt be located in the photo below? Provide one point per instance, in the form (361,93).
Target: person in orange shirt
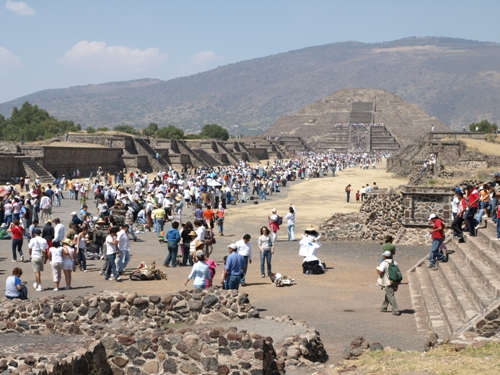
(209,217)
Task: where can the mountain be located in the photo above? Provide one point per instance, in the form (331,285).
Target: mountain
(456,80)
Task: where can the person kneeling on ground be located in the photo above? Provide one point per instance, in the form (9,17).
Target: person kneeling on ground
(14,288)
(389,286)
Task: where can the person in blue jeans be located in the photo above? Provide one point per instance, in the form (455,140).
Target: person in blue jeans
(437,234)
(266,246)
(112,252)
(245,250)
(173,238)
(234,268)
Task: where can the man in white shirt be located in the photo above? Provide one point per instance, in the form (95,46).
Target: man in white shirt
(58,230)
(244,248)
(38,247)
(124,246)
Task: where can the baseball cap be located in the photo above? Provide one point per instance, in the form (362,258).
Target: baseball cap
(497,174)
(73,213)
(387,254)
(432,216)
(232,246)
(200,254)
(38,231)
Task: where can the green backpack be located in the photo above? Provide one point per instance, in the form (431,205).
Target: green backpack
(394,273)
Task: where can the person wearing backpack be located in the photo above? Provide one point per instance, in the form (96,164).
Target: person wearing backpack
(389,279)
(274,222)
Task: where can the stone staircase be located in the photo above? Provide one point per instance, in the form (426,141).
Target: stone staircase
(34,170)
(463,294)
(143,148)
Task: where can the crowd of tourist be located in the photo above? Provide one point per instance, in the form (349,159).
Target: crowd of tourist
(194,201)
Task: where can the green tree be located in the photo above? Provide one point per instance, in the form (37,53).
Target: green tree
(102,129)
(90,129)
(170,132)
(484,127)
(32,123)
(126,129)
(214,131)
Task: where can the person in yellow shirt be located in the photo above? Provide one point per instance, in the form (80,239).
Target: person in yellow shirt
(158,216)
(71,185)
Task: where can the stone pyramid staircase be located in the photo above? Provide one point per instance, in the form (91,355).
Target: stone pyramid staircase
(33,169)
(463,294)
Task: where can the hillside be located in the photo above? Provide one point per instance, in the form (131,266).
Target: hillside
(456,80)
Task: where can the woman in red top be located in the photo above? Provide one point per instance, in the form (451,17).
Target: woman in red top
(17,232)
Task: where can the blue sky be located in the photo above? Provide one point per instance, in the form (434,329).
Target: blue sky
(48,44)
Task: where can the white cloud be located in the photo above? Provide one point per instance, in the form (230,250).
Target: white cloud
(8,60)
(98,56)
(19,7)
(205,57)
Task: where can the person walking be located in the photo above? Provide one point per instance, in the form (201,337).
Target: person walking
(81,243)
(348,192)
(245,250)
(56,262)
(235,266)
(221,214)
(17,233)
(112,251)
(437,234)
(38,247)
(290,224)
(124,246)
(387,284)
(266,246)
(69,260)
(274,224)
(173,238)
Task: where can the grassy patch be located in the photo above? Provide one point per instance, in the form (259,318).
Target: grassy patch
(443,361)
(485,147)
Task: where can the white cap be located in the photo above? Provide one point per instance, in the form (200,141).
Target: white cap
(387,254)
(232,246)
(432,216)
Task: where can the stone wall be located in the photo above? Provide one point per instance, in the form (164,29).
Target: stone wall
(419,202)
(403,215)
(147,335)
(85,159)
(10,166)
(381,214)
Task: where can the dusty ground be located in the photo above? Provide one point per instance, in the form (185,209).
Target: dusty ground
(341,304)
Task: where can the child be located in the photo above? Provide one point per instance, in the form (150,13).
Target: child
(211,268)
(357,196)
(14,288)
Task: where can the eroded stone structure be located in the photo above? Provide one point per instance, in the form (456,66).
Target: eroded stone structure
(323,124)
(117,333)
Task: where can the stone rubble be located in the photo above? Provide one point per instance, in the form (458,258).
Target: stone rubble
(130,334)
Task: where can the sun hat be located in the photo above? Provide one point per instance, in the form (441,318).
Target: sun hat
(274,210)
(67,241)
(192,233)
(310,227)
(432,216)
(198,243)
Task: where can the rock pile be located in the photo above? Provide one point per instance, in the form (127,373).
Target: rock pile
(359,346)
(381,214)
(193,307)
(125,334)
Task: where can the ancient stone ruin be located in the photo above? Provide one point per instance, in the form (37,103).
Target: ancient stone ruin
(323,124)
(189,332)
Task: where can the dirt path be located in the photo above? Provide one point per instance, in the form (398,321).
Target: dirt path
(341,304)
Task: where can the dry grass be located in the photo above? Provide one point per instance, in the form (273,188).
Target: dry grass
(443,361)
(485,147)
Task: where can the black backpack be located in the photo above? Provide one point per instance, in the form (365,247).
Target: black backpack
(279,220)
